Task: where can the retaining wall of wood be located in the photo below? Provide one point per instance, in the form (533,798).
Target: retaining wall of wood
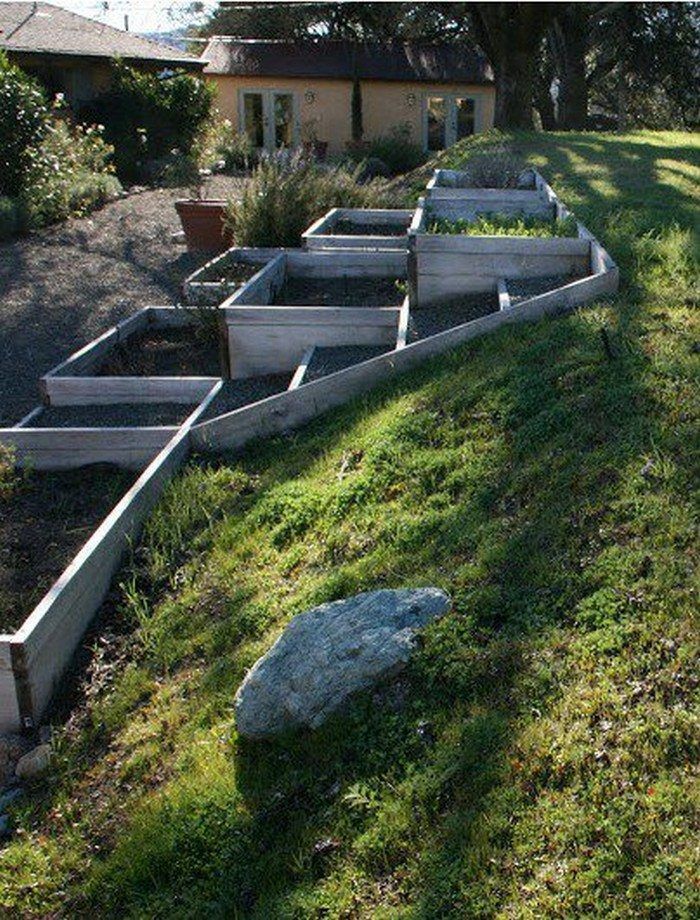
(320,234)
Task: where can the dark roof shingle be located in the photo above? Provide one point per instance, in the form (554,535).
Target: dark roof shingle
(340,60)
(42,28)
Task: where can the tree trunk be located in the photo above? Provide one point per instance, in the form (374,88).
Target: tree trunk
(568,43)
(357,127)
(510,35)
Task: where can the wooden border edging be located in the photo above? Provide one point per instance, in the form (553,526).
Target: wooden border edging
(34,658)
(319,235)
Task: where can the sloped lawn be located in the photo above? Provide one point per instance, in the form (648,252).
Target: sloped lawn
(537,759)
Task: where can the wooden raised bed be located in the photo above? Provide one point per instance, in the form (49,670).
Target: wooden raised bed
(359,228)
(265,336)
(220,277)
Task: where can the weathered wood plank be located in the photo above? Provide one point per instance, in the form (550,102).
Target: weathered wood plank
(500,245)
(311,316)
(68,448)
(503,295)
(300,372)
(84,391)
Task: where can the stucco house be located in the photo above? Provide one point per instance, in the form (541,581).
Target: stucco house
(283,93)
(71,54)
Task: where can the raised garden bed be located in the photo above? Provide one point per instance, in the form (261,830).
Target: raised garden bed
(42,526)
(359,228)
(304,299)
(498,224)
(452,189)
(220,277)
(431,321)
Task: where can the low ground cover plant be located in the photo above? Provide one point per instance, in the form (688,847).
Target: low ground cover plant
(504,225)
(49,169)
(395,150)
(287,192)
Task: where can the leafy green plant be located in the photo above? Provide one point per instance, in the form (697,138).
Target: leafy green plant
(11,477)
(287,193)
(395,149)
(25,117)
(146,116)
(504,225)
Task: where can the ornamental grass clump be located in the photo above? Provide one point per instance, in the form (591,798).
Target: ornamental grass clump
(504,225)
(287,192)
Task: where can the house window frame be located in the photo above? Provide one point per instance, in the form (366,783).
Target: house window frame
(268,94)
(450,99)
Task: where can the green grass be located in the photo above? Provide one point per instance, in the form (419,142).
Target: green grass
(553,492)
(495,224)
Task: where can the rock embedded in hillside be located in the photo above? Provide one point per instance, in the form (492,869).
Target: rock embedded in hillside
(330,652)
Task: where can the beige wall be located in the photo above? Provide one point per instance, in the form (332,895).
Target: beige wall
(384,104)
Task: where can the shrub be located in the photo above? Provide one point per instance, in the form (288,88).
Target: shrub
(70,174)
(223,148)
(146,116)
(505,225)
(24,119)
(395,149)
(497,169)
(287,193)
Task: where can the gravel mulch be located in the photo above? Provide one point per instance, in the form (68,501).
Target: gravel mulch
(520,289)
(164,353)
(43,525)
(122,415)
(340,292)
(237,393)
(431,320)
(326,361)
(63,286)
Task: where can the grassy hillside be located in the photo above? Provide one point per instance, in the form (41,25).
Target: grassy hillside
(538,759)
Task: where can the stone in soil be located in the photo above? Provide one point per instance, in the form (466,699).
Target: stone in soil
(520,289)
(179,352)
(238,393)
(348,291)
(351,228)
(329,653)
(432,320)
(122,415)
(43,524)
(34,762)
(326,361)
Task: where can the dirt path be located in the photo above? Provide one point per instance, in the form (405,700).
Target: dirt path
(61,287)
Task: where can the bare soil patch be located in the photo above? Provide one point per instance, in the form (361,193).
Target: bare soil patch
(186,352)
(345,227)
(43,524)
(431,320)
(340,292)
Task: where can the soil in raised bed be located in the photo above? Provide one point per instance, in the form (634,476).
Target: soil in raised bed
(122,415)
(43,524)
(520,289)
(235,394)
(326,361)
(345,227)
(347,291)
(431,320)
(230,272)
(170,352)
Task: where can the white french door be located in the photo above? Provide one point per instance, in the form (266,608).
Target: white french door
(269,118)
(447,119)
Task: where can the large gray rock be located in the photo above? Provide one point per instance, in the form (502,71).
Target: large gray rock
(330,652)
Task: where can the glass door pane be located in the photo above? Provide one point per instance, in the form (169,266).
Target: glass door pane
(435,112)
(283,114)
(465,118)
(253,123)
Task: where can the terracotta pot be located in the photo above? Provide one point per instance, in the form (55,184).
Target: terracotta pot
(203,223)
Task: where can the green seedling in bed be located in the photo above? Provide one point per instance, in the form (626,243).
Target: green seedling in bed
(12,477)
(504,225)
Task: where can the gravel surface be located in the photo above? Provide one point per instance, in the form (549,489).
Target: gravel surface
(431,320)
(340,292)
(346,227)
(63,286)
(521,289)
(43,525)
(163,353)
(237,393)
(230,271)
(125,415)
(326,361)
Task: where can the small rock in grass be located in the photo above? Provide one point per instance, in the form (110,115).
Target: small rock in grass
(34,762)
(329,653)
